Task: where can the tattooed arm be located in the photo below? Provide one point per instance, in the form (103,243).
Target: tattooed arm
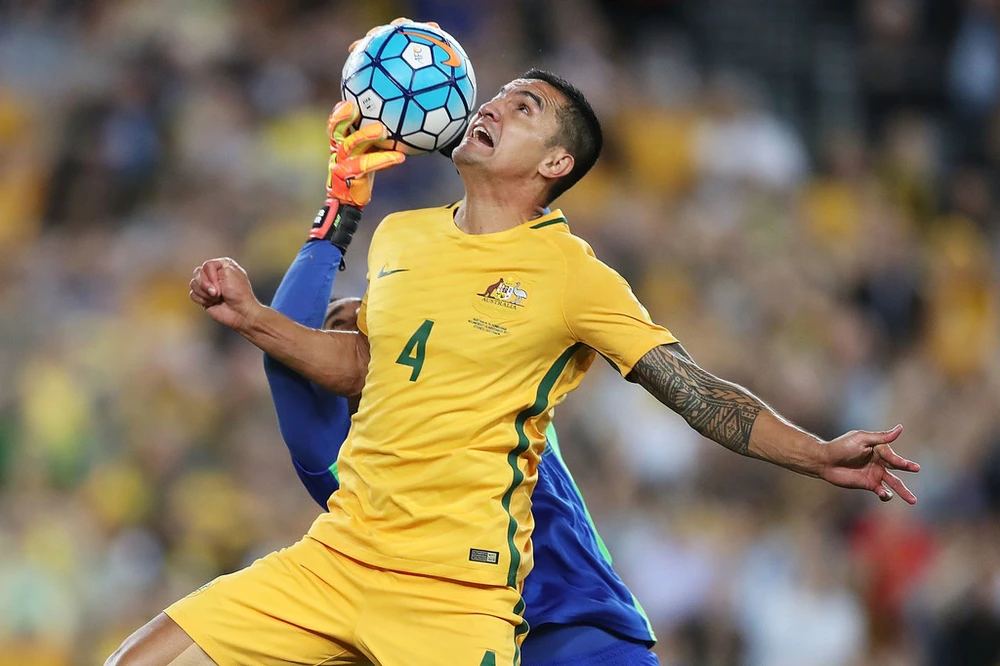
(722,411)
(732,416)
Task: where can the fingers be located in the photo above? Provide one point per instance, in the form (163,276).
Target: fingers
(202,289)
(206,282)
(892,459)
(344,115)
(396,21)
(883,492)
(230,269)
(343,110)
(199,291)
(382,159)
(883,436)
(210,273)
(895,461)
(371,32)
(896,484)
(368,163)
(358,141)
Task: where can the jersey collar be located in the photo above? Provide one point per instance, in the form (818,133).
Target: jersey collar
(553,218)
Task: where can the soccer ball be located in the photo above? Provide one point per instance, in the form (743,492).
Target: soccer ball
(417,80)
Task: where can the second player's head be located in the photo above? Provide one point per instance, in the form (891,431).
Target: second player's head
(539,134)
(342,314)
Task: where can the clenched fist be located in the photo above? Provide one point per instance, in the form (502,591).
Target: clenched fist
(222,287)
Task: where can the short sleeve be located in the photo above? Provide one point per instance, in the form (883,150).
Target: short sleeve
(372,268)
(363,314)
(602,312)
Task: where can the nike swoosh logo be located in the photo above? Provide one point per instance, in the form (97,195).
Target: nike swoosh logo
(453,59)
(382,273)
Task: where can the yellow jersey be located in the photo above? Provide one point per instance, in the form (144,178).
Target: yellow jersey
(474,338)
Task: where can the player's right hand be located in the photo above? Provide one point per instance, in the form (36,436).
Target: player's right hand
(222,287)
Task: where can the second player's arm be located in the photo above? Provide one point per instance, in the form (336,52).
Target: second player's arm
(312,421)
(734,417)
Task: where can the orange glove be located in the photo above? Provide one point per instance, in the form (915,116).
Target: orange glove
(352,167)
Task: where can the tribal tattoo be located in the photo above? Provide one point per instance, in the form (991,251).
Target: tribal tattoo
(719,410)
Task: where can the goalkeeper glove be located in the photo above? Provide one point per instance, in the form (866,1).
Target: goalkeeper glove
(351,171)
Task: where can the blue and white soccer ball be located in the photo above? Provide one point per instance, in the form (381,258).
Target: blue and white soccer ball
(417,80)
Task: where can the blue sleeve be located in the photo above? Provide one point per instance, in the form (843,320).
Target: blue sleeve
(313,422)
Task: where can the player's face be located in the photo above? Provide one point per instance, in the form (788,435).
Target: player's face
(512,133)
(342,315)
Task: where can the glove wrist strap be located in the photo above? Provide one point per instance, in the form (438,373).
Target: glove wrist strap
(336,222)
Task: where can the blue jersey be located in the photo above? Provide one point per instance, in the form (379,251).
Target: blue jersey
(572,582)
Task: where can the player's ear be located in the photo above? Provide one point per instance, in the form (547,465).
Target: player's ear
(557,163)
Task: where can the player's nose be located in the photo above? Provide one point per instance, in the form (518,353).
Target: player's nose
(490,110)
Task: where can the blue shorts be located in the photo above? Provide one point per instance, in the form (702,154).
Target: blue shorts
(581,645)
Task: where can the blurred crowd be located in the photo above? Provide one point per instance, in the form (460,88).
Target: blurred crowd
(804,191)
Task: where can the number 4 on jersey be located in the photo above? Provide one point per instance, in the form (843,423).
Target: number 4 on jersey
(415,348)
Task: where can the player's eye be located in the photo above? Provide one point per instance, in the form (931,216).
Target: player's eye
(522,107)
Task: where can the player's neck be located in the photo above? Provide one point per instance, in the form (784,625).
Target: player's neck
(492,214)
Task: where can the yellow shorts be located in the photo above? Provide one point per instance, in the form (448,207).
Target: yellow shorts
(309,604)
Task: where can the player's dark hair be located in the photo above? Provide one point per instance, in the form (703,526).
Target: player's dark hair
(331,312)
(579,130)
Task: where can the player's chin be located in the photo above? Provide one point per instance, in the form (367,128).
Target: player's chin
(470,152)
(462,154)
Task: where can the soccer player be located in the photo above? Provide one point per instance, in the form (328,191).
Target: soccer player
(421,556)
(577,606)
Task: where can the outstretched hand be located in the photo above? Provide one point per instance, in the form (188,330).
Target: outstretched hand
(862,459)
(354,159)
(222,287)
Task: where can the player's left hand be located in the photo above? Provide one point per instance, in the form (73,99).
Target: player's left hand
(862,459)
(353,161)
(351,173)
